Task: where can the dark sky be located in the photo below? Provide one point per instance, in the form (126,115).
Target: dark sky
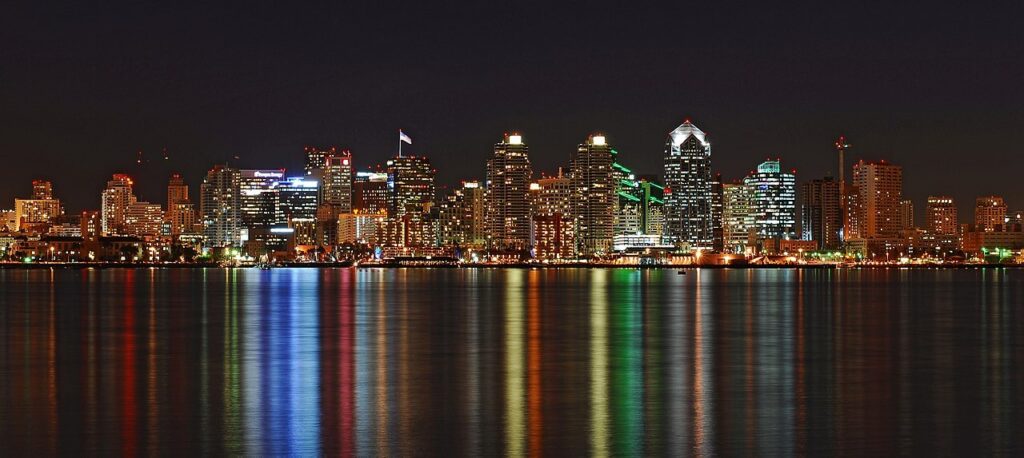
(86,85)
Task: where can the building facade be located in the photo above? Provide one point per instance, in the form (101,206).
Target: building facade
(594,187)
(821,213)
(774,201)
(508,216)
(688,193)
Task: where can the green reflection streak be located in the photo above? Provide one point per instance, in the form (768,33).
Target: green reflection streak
(232,372)
(627,383)
(599,410)
(515,392)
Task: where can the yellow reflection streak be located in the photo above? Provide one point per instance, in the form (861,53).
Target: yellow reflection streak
(515,413)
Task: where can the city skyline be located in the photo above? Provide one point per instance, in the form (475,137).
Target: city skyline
(763,81)
(161,169)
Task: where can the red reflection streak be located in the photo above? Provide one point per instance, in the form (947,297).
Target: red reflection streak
(533,367)
(801,386)
(345,371)
(128,406)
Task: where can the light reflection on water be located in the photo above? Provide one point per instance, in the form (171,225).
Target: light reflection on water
(517,362)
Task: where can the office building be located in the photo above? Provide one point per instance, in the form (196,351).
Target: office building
(337,182)
(774,201)
(410,184)
(941,216)
(738,229)
(370,192)
(299,203)
(688,193)
(989,213)
(316,159)
(906,215)
(821,213)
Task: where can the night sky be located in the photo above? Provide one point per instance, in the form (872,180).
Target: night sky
(84,86)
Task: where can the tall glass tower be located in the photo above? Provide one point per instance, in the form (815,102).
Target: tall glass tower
(688,195)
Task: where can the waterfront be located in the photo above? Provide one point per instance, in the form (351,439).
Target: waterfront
(512,361)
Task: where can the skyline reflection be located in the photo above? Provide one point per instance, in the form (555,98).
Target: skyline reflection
(517,362)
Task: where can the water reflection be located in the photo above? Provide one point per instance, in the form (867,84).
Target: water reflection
(516,362)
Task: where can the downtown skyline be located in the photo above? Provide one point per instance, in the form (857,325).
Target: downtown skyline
(150,169)
(763,81)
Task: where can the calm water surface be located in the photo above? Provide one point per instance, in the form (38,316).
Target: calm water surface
(512,362)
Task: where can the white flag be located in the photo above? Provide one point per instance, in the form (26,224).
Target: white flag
(403,137)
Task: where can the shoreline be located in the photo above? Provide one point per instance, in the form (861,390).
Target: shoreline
(102,266)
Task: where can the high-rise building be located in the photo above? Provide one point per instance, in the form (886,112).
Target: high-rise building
(717,231)
(337,182)
(879,188)
(462,216)
(688,194)
(989,213)
(177,190)
(941,218)
(220,207)
(594,187)
(316,158)
(299,197)
(906,215)
(508,201)
(774,201)
(411,185)
(36,213)
(143,219)
(370,193)
(180,214)
(820,213)
(116,198)
(259,199)
(738,230)
(553,224)
(42,190)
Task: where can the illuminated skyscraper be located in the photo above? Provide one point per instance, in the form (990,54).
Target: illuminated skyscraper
(180,210)
(989,213)
(774,201)
(594,188)
(337,182)
(552,223)
(462,216)
(821,213)
(143,219)
(36,213)
(299,197)
(906,214)
(411,185)
(316,158)
(220,207)
(115,201)
(879,190)
(941,218)
(260,199)
(370,193)
(688,199)
(738,230)
(508,201)
(177,190)
(42,190)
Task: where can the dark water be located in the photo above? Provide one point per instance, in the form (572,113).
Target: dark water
(489,362)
